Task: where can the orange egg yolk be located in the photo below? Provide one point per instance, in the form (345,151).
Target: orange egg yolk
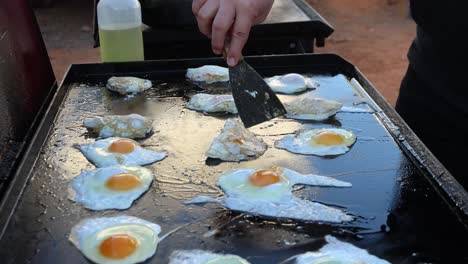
(239,141)
(122,146)
(118,246)
(328,138)
(264,177)
(123,182)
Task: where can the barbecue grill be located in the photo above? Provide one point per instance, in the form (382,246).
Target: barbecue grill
(408,208)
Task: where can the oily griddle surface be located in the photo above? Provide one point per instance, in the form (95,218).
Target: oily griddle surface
(398,216)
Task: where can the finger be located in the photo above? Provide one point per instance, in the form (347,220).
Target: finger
(221,25)
(206,15)
(196,5)
(240,34)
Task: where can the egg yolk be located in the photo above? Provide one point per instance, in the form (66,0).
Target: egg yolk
(264,177)
(118,246)
(239,141)
(123,182)
(328,138)
(122,146)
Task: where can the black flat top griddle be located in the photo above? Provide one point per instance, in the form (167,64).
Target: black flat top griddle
(408,208)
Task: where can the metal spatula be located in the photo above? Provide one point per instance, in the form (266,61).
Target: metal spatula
(254,99)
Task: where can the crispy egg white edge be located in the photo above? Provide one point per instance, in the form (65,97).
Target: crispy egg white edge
(295,144)
(295,177)
(313,117)
(198,257)
(111,200)
(94,151)
(290,207)
(338,250)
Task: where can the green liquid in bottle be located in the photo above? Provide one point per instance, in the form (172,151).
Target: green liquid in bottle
(121,45)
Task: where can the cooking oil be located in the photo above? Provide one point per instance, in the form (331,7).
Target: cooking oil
(121,45)
(120,30)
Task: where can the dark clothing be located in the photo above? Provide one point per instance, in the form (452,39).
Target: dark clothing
(433,97)
(439,125)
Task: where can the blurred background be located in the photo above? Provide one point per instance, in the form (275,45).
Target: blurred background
(374,35)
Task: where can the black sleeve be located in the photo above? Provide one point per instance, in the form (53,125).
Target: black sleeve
(441,18)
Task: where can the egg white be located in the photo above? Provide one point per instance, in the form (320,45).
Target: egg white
(290,83)
(90,233)
(89,188)
(211,103)
(208,74)
(204,257)
(127,126)
(316,109)
(128,85)
(289,207)
(236,143)
(301,143)
(99,155)
(235,183)
(336,251)
(275,200)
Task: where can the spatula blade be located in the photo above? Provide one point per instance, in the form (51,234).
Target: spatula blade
(255,101)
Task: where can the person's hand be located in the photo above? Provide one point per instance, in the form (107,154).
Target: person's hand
(218,19)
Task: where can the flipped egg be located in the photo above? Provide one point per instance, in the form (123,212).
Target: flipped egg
(120,239)
(208,74)
(338,252)
(204,257)
(316,109)
(212,103)
(119,151)
(128,85)
(320,142)
(236,143)
(113,187)
(291,83)
(127,126)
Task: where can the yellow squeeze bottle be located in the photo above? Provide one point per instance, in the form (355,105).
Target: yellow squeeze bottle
(120,30)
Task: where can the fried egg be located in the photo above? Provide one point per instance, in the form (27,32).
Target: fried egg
(271,184)
(119,151)
(212,103)
(113,187)
(316,109)
(128,126)
(120,239)
(291,83)
(320,142)
(236,143)
(204,257)
(268,193)
(336,251)
(128,85)
(290,207)
(208,74)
